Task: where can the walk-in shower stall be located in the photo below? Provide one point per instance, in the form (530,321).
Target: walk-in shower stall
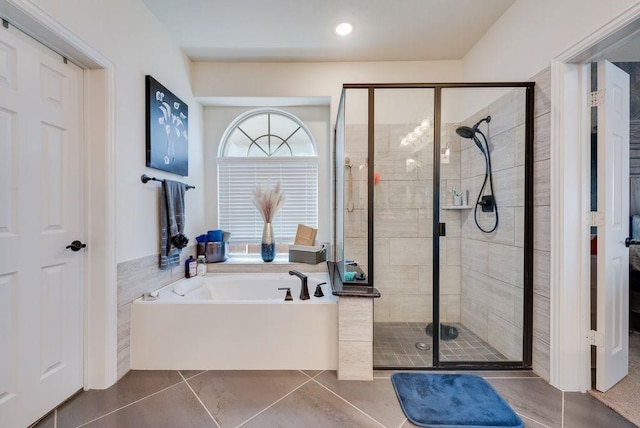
(434,205)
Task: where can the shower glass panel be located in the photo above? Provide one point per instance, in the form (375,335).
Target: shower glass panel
(340,212)
(352,162)
(402,220)
(482,204)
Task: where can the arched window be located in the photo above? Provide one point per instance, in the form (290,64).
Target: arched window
(266,147)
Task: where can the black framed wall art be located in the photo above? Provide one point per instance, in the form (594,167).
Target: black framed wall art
(167,129)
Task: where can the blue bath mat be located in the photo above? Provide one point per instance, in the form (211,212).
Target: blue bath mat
(452,401)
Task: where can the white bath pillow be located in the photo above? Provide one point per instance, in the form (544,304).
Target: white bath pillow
(187,285)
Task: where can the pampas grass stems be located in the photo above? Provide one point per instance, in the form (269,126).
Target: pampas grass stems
(268,202)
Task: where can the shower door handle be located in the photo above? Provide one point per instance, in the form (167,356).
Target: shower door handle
(442,229)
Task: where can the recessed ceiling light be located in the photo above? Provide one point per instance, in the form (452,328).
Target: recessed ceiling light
(344,29)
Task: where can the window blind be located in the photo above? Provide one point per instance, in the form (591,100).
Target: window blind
(237,213)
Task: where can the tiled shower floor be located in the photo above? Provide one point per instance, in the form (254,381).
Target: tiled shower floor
(394,345)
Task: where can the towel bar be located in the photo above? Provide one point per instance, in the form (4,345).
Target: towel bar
(145,179)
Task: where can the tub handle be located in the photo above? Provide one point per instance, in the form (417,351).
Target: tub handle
(288,296)
(319,292)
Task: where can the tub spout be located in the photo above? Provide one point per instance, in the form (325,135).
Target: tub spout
(304,290)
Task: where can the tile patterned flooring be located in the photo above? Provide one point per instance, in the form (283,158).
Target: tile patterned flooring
(292,398)
(394,345)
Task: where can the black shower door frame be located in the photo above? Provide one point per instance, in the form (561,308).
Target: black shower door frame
(527,342)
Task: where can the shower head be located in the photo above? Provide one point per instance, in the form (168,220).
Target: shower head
(466,132)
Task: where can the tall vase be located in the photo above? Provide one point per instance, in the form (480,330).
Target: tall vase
(268,243)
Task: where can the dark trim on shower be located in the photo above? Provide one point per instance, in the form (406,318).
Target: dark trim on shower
(435,291)
(370,188)
(527,325)
(436,85)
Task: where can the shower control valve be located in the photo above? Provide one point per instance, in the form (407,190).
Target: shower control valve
(487,203)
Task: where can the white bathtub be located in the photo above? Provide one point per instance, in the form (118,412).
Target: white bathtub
(236,322)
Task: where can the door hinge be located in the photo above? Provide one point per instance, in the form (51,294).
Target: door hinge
(597,98)
(595,338)
(596,218)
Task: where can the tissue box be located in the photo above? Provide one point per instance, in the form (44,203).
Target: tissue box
(307,254)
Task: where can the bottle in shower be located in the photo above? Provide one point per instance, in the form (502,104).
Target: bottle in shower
(202,265)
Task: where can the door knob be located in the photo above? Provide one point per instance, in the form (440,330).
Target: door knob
(76,246)
(629,241)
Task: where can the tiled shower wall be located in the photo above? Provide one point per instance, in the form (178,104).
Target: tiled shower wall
(509,275)
(403,223)
(541,223)
(492,275)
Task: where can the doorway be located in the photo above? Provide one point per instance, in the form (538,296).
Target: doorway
(616,388)
(98,176)
(570,190)
(41,195)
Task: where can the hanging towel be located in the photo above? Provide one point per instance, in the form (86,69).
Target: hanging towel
(172,239)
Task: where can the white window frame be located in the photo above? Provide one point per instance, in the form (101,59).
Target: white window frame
(244,244)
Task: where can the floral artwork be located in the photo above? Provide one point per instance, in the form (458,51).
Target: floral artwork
(167,130)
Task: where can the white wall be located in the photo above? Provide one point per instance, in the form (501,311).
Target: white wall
(130,36)
(533,32)
(320,79)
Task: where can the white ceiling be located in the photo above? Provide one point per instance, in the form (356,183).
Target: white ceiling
(303,30)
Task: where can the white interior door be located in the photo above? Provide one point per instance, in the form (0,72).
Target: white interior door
(612,356)
(41,206)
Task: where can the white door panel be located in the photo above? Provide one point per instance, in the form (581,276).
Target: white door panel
(612,357)
(41,299)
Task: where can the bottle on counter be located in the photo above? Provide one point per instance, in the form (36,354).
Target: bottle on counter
(202,265)
(190,267)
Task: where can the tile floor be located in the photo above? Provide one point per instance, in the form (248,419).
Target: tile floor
(394,345)
(292,398)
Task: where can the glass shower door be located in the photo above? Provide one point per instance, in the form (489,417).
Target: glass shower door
(402,226)
(482,213)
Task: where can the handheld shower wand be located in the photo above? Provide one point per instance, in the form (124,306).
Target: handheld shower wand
(487,202)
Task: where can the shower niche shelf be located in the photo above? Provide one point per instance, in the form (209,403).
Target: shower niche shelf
(457,207)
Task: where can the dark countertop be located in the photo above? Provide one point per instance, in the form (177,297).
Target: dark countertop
(351,289)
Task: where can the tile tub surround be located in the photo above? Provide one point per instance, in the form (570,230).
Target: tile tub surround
(135,278)
(355,338)
(355,327)
(291,398)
